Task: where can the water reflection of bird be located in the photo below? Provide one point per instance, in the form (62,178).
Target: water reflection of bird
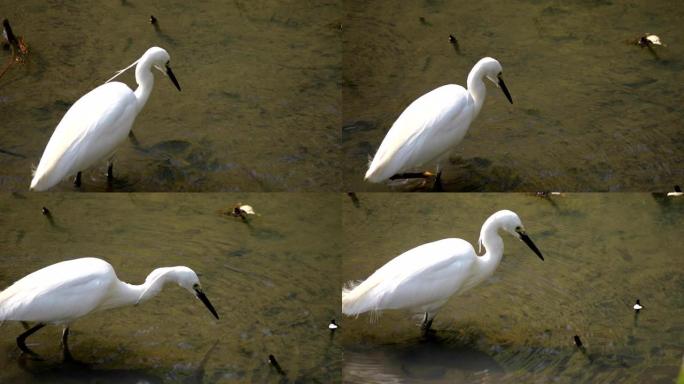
(64,292)
(423,278)
(97,123)
(432,125)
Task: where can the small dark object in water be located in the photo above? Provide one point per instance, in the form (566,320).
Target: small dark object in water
(45,211)
(423,21)
(11,38)
(454,42)
(637,307)
(333,325)
(237,212)
(354,199)
(677,189)
(153,20)
(578,342)
(272,360)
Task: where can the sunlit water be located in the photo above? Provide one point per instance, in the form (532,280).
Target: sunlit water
(591,111)
(602,252)
(273,282)
(258,111)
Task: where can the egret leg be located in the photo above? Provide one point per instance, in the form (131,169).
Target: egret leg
(65,345)
(77,180)
(427,323)
(110,171)
(21,340)
(438,187)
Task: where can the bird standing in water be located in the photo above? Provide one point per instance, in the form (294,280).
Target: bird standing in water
(432,125)
(98,123)
(424,278)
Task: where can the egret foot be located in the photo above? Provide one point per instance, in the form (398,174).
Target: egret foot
(411,175)
(21,339)
(77,180)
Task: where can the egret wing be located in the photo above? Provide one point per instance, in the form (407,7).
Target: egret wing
(90,130)
(424,132)
(428,273)
(59,292)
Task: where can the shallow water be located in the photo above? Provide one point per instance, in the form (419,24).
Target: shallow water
(602,252)
(258,111)
(273,283)
(591,112)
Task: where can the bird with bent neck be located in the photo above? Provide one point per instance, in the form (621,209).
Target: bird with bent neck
(63,292)
(423,279)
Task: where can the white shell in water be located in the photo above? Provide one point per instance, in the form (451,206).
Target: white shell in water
(653,39)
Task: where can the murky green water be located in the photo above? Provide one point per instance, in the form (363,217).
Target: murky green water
(591,112)
(273,282)
(259,109)
(602,251)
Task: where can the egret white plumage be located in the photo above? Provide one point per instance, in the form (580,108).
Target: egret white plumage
(429,128)
(63,292)
(423,279)
(98,123)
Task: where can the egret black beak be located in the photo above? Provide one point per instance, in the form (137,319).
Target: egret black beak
(207,303)
(169,72)
(502,85)
(526,239)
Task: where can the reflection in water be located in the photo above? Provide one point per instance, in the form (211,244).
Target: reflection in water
(602,252)
(437,359)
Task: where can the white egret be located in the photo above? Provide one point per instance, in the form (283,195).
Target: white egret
(61,293)
(98,123)
(432,125)
(423,278)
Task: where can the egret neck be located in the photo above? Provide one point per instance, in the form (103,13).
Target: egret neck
(477,91)
(145,79)
(493,244)
(130,294)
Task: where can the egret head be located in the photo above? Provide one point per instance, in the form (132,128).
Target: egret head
(511,223)
(159,59)
(187,278)
(492,70)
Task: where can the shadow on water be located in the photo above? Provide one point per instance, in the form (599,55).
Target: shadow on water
(437,358)
(53,372)
(77,372)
